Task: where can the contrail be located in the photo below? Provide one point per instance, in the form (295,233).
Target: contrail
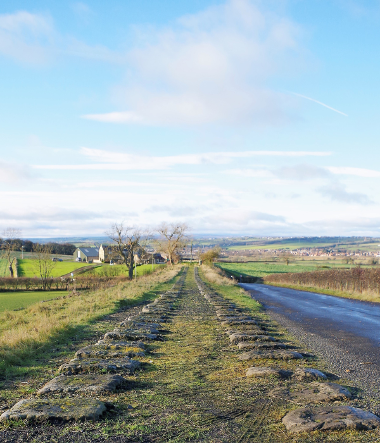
(320,103)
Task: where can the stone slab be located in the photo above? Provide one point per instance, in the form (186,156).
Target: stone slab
(77,366)
(321,392)
(308,374)
(66,409)
(282,354)
(240,337)
(106,351)
(261,345)
(83,383)
(263,371)
(129,335)
(139,324)
(117,344)
(232,322)
(330,418)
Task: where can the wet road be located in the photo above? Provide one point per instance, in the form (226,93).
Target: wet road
(344,333)
(353,316)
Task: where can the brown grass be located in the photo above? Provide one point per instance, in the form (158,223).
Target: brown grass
(23,332)
(216,276)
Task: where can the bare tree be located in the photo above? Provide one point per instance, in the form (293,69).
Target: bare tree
(128,241)
(8,247)
(172,238)
(43,263)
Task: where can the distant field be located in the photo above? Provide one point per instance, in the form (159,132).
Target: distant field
(28,268)
(290,246)
(262,269)
(19,254)
(300,244)
(115,270)
(3,268)
(9,301)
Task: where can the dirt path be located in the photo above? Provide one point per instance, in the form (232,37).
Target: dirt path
(193,387)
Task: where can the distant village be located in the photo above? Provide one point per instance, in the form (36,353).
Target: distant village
(308,252)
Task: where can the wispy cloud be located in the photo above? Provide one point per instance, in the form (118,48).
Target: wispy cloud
(210,67)
(26,37)
(337,192)
(320,103)
(12,174)
(123,161)
(301,172)
(346,170)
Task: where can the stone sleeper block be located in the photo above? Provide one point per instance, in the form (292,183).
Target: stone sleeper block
(276,355)
(65,409)
(137,324)
(262,371)
(330,418)
(83,383)
(129,335)
(108,352)
(143,330)
(321,392)
(239,337)
(261,345)
(308,374)
(92,365)
(108,344)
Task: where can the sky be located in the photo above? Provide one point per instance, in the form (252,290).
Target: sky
(238,117)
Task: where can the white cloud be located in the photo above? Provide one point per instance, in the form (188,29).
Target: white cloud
(123,161)
(360,172)
(249,172)
(301,172)
(26,37)
(210,67)
(337,192)
(12,174)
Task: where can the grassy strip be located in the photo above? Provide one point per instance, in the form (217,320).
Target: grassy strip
(29,268)
(4,268)
(221,284)
(26,334)
(116,270)
(263,269)
(363,296)
(10,301)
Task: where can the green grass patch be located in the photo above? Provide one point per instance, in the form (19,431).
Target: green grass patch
(10,301)
(107,270)
(261,269)
(29,268)
(27,334)
(4,268)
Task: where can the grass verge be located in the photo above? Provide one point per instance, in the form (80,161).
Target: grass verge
(26,334)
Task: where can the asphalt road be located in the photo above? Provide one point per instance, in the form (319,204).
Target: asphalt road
(344,333)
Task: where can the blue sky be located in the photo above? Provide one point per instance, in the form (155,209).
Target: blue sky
(240,116)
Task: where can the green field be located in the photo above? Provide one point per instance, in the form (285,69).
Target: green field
(28,268)
(262,269)
(10,301)
(115,270)
(3,268)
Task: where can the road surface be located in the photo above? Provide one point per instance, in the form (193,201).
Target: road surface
(343,332)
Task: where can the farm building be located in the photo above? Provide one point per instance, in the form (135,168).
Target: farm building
(106,253)
(87,254)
